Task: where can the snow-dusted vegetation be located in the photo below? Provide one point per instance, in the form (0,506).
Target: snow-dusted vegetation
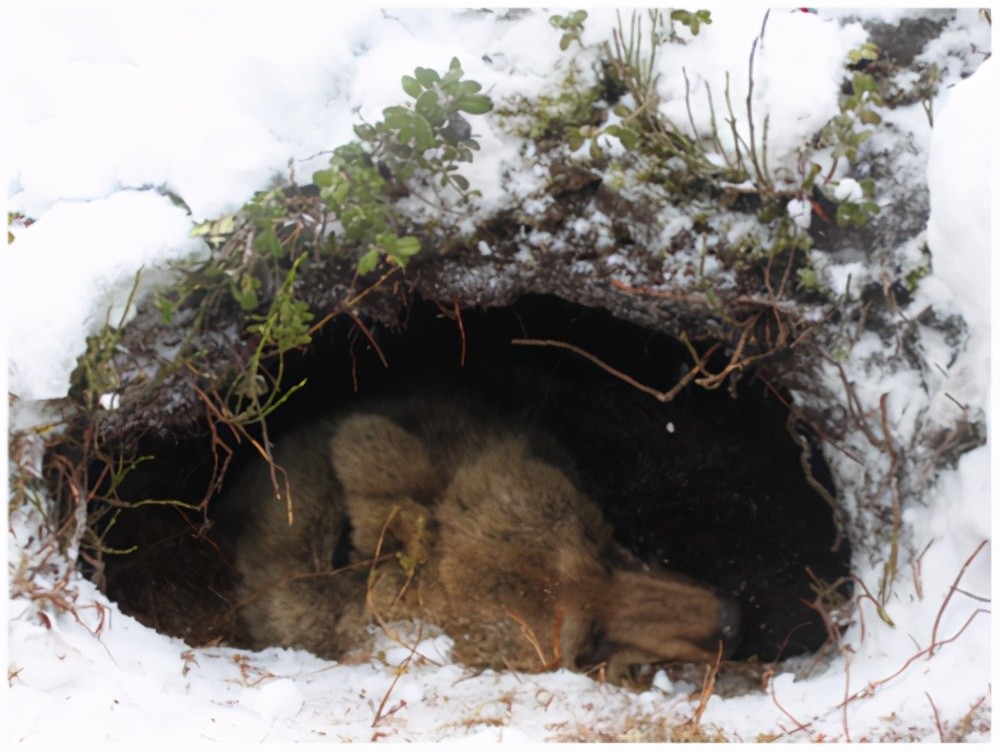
(809,184)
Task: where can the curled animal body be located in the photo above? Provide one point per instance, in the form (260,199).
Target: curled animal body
(455,518)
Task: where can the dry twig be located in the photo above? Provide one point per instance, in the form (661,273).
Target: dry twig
(661,396)
(707,686)
(951,592)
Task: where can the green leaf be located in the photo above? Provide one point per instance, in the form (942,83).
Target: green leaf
(869,117)
(407,246)
(336,192)
(565,42)
(808,279)
(626,135)
(629,138)
(427,77)
(246,292)
(465,88)
(166,308)
(368,261)
(453,74)
(323,178)
(867,51)
(461,182)
(214,228)
(412,86)
(423,134)
(365,132)
(814,170)
(436,117)
(863,82)
(427,103)
(398,119)
(266,241)
(477,104)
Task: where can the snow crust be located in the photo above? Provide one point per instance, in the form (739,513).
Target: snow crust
(111,100)
(73,270)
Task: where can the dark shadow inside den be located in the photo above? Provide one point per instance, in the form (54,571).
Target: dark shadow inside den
(710,484)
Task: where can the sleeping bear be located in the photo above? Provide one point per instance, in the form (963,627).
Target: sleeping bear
(428,508)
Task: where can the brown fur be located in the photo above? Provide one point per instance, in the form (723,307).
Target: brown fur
(492,540)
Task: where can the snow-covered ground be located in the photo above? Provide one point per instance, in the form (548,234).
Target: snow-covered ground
(103,103)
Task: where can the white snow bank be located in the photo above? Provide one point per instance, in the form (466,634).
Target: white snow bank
(72,270)
(209,99)
(960,171)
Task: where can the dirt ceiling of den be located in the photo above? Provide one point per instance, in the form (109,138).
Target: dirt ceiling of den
(710,483)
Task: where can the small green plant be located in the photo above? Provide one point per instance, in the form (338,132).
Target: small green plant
(809,280)
(642,129)
(692,20)
(421,145)
(571,26)
(215,232)
(868,52)
(858,211)
(927,88)
(96,372)
(431,136)
(285,326)
(842,132)
(913,277)
(356,195)
(399,250)
(864,94)
(570,114)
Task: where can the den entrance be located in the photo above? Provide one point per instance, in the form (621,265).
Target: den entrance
(715,484)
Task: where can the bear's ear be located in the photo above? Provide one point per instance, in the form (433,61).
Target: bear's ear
(373,456)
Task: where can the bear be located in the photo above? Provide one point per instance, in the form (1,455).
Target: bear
(452,517)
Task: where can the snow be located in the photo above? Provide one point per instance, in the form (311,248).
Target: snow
(107,102)
(800,211)
(959,169)
(796,75)
(97,246)
(848,189)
